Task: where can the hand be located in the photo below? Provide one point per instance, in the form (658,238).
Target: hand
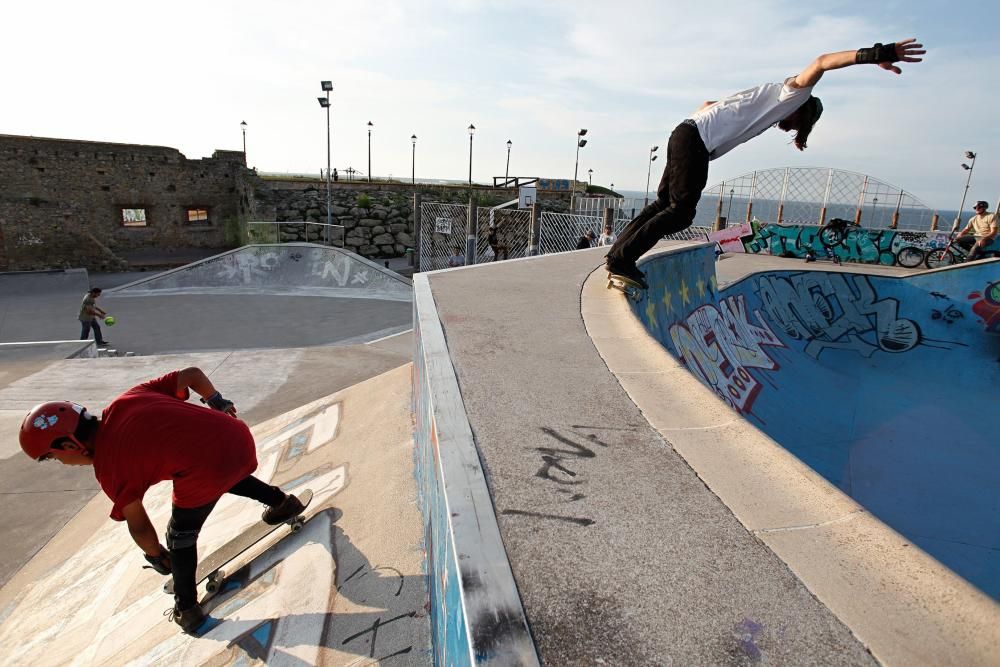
(160,563)
(907,51)
(217,402)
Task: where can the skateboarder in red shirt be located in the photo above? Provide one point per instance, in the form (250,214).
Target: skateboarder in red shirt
(151,434)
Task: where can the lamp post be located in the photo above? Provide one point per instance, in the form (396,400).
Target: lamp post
(324,102)
(506,172)
(413,166)
(729,211)
(243,126)
(580,143)
(370,126)
(472,131)
(969,155)
(649,168)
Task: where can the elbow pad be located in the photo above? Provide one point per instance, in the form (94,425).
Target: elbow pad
(879,53)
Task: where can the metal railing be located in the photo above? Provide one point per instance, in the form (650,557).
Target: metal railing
(295,232)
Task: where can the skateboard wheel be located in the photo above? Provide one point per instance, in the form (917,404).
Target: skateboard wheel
(212,586)
(296,525)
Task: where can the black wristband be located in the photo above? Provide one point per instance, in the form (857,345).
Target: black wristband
(879,53)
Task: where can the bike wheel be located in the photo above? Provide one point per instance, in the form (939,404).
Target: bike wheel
(910,257)
(939,257)
(831,236)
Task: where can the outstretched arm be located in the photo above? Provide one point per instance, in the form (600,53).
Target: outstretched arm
(885,56)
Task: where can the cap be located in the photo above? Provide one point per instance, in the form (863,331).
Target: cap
(981,203)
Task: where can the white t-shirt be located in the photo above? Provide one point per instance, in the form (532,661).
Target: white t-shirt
(606,239)
(731,121)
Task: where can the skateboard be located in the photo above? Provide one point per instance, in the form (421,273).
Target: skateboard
(211,568)
(626,286)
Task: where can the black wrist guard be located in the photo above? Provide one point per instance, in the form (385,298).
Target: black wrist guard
(880,53)
(159,563)
(216,402)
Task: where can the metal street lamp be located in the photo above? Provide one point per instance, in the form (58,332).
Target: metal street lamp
(324,102)
(969,155)
(506,172)
(472,131)
(590,177)
(370,126)
(413,167)
(729,211)
(649,168)
(580,143)
(243,126)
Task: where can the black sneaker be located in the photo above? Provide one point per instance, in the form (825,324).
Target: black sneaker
(103,343)
(190,619)
(630,272)
(289,508)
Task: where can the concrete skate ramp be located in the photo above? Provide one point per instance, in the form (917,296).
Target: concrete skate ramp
(303,269)
(887,387)
(348,588)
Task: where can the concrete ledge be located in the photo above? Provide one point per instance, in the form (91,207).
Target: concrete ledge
(901,603)
(476,612)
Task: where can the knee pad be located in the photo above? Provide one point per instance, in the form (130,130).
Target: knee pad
(180,539)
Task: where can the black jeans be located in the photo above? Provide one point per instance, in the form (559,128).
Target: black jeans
(684,177)
(184,526)
(86,327)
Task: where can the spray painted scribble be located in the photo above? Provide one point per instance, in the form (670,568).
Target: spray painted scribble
(836,311)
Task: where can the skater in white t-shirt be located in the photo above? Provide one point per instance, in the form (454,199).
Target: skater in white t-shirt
(720,126)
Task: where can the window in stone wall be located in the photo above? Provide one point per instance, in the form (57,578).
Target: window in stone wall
(198,216)
(134,217)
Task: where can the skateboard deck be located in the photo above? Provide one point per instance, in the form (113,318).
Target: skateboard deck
(625,285)
(211,567)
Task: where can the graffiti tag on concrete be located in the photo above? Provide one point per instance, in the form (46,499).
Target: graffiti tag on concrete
(719,344)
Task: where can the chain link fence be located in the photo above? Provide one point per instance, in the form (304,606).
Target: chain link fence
(813,196)
(512,233)
(442,234)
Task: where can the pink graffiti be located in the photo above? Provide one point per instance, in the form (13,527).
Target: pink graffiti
(719,345)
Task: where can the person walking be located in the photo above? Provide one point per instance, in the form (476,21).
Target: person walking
(89,312)
(720,126)
(150,434)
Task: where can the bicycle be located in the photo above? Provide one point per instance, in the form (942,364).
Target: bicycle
(952,253)
(911,257)
(833,232)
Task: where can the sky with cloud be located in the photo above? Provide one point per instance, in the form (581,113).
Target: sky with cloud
(185,74)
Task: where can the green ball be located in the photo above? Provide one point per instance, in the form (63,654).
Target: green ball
(109,320)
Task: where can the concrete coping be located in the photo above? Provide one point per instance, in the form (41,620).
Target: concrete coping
(902,604)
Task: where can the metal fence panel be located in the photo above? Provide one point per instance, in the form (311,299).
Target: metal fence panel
(442,231)
(513,231)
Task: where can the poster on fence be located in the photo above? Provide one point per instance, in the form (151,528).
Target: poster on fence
(442,225)
(730,238)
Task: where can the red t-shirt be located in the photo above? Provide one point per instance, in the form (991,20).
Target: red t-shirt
(150,434)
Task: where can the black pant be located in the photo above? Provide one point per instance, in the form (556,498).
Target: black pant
(684,177)
(184,526)
(87,326)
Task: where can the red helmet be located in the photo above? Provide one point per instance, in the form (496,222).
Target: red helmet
(49,422)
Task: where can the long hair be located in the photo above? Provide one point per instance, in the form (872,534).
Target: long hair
(809,113)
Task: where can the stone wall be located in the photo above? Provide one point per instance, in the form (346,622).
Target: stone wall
(377,217)
(61,201)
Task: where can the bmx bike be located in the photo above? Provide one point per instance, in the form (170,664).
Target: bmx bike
(952,253)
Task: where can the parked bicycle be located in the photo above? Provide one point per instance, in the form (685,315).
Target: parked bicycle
(835,231)
(911,257)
